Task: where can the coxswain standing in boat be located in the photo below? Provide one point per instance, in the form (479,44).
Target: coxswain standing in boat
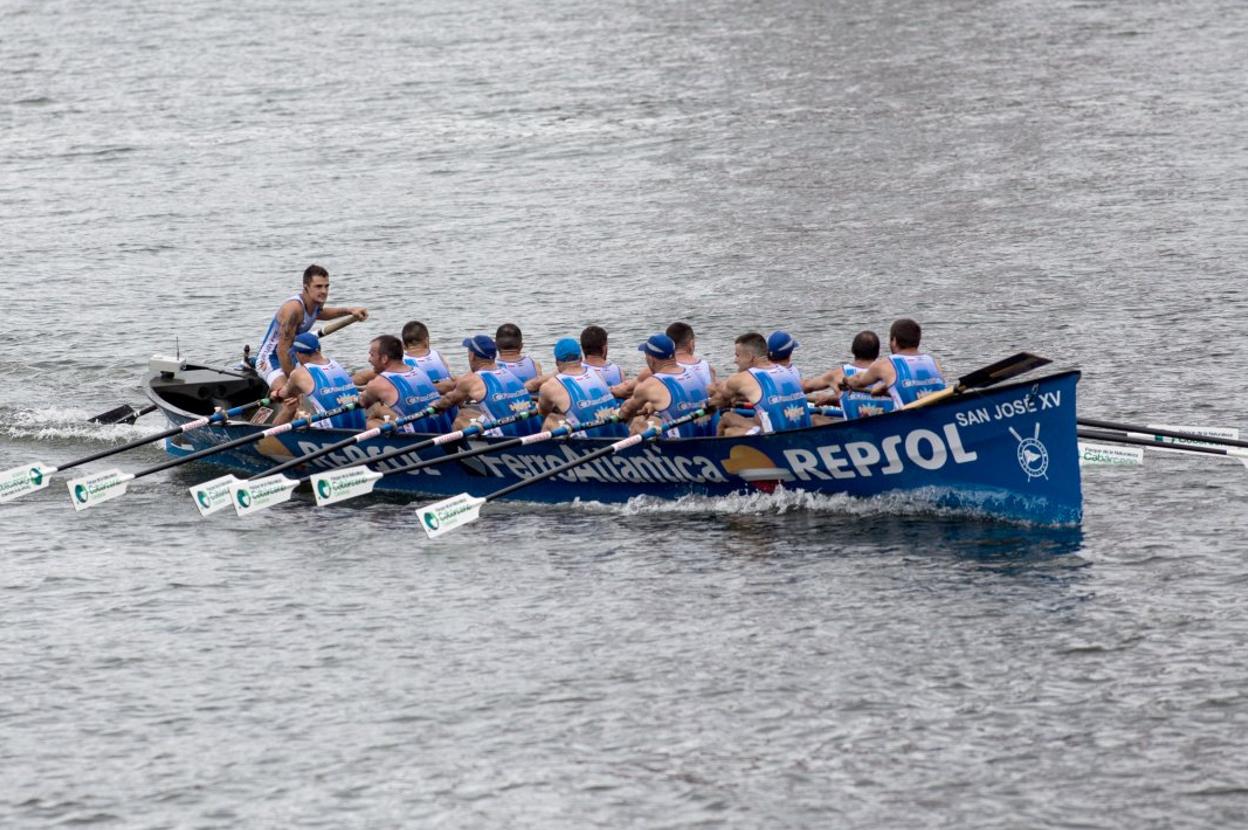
(669,391)
(577,394)
(773,391)
(865,349)
(488,392)
(907,373)
(594,347)
(416,352)
(398,390)
(318,384)
(274,361)
(510,343)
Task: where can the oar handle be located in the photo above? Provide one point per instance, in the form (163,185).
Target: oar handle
(1166,433)
(335,325)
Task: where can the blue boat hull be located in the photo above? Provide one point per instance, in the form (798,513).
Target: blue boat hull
(1007,452)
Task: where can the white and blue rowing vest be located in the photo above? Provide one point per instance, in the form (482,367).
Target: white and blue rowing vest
(917,376)
(432,364)
(688,393)
(416,392)
(505,396)
(783,403)
(333,389)
(702,370)
(266,354)
(591,401)
(524,368)
(608,372)
(860,403)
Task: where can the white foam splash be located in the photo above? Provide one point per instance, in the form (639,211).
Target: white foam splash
(51,423)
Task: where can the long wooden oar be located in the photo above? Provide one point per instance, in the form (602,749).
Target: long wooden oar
(1011,367)
(340,483)
(213,495)
(448,514)
(1236,452)
(91,490)
(28,478)
(1156,434)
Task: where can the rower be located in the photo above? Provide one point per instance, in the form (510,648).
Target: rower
(780,346)
(907,373)
(489,392)
(295,316)
(320,384)
(398,390)
(669,391)
(594,347)
(416,352)
(511,356)
(577,394)
(773,391)
(682,335)
(854,403)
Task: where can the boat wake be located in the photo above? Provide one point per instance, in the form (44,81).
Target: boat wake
(69,425)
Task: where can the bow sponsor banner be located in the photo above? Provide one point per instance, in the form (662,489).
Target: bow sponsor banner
(213,495)
(28,478)
(91,490)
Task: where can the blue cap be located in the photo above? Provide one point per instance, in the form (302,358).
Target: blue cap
(658,345)
(306,343)
(567,349)
(780,344)
(482,345)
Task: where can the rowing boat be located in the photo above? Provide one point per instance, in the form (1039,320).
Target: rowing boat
(1008,452)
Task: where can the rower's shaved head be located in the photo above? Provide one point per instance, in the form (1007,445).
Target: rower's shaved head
(681,334)
(905,333)
(753,342)
(389,346)
(415,333)
(866,345)
(508,337)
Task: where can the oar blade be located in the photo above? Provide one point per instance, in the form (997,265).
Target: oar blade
(333,486)
(88,491)
(125,412)
(1104,455)
(18,481)
(213,495)
(1010,367)
(448,514)
(253,496)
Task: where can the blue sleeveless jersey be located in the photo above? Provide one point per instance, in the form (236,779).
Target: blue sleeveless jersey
(591,401)
(333,389)
(505,395)
(266,354)
(783,403)
(432,364)
(416,392)
(917,376)
(524,368)
(862,404)
(688,393)
(608,372)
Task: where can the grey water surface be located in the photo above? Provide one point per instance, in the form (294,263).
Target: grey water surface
(1063,177)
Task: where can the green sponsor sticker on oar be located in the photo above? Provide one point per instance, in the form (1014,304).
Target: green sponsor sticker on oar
(213,495)
(448,514)
(339,485)
(252,496)
(1103,455)
(27,478)
(91,490)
